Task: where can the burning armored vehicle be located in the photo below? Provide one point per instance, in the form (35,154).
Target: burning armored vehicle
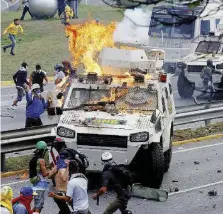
(128,109)
(207,48)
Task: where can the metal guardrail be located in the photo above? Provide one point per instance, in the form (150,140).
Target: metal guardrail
(26,139)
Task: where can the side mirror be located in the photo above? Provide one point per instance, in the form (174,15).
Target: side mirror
(156,114)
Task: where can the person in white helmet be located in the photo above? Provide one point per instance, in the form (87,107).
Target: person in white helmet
(119,178)
(35,106)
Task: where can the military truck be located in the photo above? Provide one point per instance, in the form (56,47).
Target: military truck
(128,110)
(206,47)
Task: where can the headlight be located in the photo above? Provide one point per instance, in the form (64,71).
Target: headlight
(65,132)
(139,137)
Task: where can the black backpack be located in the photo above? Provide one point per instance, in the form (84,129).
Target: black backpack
(33,174)
(38,77)
(82,159)
(123,174)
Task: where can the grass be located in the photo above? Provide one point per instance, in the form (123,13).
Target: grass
(179,135)
(44,41)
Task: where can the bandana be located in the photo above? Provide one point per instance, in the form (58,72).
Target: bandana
(24,200)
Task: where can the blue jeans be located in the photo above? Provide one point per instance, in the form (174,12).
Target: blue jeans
(12,46)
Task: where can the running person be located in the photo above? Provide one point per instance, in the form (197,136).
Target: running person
(13,30)
(38,76)
(20,79)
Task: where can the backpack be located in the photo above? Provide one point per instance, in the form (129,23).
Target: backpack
(82,159)
(33,174)
(123,174)
(38,77)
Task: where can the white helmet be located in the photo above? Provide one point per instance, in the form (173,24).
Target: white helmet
(106,157)
(35,86)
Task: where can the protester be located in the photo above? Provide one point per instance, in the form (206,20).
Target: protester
(13,30)
(59,74)
(61,173)
(20,79)
(38,174)
(22,204)
(76,190)
(38,76)
(35,106)
(67,15)
(116,181)
(5,200)
(25,9)
(72,5)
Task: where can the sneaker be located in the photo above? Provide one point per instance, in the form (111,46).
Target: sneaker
(13,107)
(4,49)
(12,53)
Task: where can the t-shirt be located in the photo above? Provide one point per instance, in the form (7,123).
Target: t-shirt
(38,77)
(59,75)
(19,209)
(77,190)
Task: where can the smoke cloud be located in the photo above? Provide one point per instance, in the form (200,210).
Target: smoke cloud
(134,27)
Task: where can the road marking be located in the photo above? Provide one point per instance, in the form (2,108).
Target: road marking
(195,188)
(15,182)
(196,148)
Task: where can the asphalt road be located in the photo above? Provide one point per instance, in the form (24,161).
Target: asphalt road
(193,180)
(8,94)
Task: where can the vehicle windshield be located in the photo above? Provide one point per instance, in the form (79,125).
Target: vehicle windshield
(173,30)
(172,23)
(130,99)
(208,47)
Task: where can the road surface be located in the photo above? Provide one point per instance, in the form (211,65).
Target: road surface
(193,180)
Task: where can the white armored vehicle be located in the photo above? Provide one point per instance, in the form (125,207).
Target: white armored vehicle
(206,48)
(127,110)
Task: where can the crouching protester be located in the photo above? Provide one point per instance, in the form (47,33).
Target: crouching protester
(61,174)
(76,190)
(5,200)
(38,174)
(35,106)
(118,178)
(22,204)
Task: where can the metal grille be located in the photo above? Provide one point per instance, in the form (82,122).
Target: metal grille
(102,140)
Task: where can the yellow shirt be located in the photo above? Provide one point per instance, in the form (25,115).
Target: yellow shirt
(14,29)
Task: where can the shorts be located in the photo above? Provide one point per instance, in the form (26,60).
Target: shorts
(39,199)
(20,93)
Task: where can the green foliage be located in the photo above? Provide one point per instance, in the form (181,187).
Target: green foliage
(44,41)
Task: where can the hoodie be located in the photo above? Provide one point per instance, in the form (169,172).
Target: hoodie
(20,77)
(35,106)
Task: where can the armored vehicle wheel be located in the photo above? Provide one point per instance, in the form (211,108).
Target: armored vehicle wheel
(185,87)
(153,173)
(168,157)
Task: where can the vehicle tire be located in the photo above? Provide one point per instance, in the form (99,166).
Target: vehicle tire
(168,157)
(185,87)
(152,175)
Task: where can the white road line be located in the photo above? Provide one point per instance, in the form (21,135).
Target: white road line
(15,182)
(196,148)
(195,188)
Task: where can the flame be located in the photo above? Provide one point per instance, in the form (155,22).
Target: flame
(87,40)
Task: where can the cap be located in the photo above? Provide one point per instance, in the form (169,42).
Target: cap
(35,86)
(27,191)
